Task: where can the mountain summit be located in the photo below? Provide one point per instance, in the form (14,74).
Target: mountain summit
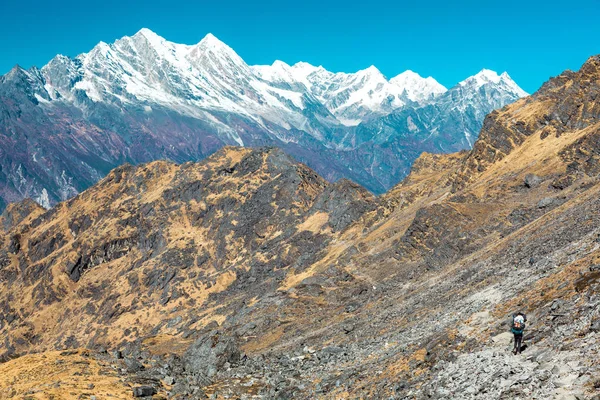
(142,98)
(417,88)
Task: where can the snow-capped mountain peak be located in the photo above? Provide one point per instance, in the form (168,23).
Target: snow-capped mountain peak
(212,50)
(512,85)
(210,43)
(486,76)
(353,97)
(307,68)
(150,36)
(416,87)
(15,72)
(211,40)
(371,71)
(481,78)
(279,71)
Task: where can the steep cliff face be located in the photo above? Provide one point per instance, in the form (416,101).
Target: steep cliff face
(569,102)
(249,275)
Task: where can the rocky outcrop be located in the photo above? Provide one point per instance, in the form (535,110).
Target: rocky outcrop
(210,354)
(565,103)
(344,202)
(17,212)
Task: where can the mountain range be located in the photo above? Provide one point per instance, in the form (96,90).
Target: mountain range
(142,98)
(248,275)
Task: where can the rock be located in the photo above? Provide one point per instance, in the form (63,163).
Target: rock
(525,378)
(133,365)
(556,304)
(543,375)
(546,202)
(566,396)
(532,180)
(595,325)
(541,355)
(582,380)
(471,390)
(169,380)
(244,330)
(14,244)
(332,350)
(209,354)
(562,182)
(143,391)
(174,322)
(505,338)
(181,388)
(565,380)
(344,201)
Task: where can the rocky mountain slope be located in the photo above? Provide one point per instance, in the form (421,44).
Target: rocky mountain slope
(247,275)
(142,98)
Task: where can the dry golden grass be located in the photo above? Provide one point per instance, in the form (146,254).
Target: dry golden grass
(51,375)
(314,223)
(265,342)
(166,344)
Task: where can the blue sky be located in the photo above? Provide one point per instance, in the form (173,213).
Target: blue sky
(449,40)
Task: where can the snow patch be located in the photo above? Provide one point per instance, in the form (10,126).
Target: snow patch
(90,90)
(41,99)
(43,199)
(411,125)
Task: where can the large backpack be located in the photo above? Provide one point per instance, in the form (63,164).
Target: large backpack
(518,325)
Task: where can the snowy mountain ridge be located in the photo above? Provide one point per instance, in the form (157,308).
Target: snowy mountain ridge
(188,78)
(210,75)
(354,97)
(143,98)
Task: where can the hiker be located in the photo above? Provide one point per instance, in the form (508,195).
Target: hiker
(518,326)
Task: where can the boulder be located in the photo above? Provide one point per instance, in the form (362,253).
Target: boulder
(503,339)
(532,180)
(208,355)
(546,202)
(169,380)
(133,365)
(143,391)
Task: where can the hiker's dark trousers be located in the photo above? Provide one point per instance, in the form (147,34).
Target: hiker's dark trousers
(518,341)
